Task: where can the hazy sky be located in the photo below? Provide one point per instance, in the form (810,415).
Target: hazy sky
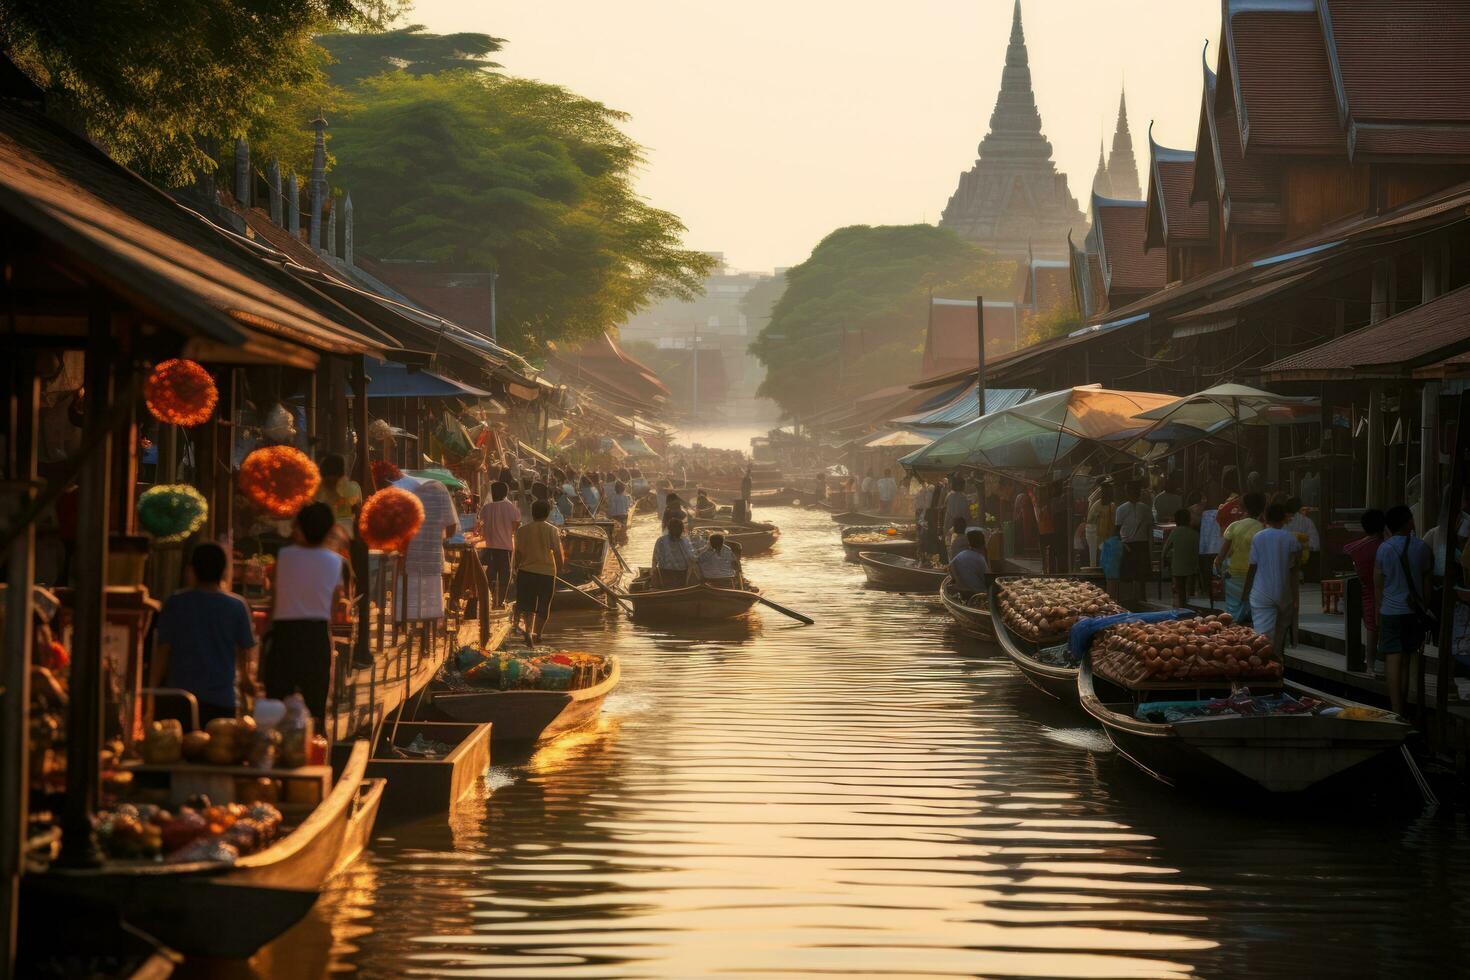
(769,124)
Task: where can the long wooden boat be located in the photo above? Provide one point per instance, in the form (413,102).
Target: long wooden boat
(858,517)
(900,573)
(228,911)
(902,543)
(778,497)
(754,538)
(527,716)
(690,602)
(973,618)
(1058,680)
(1276,753)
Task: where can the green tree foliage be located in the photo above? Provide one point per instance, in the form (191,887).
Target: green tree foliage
(163,83)
(1049,324)
(757,305)
(872,283)
(495,173)
(360,55)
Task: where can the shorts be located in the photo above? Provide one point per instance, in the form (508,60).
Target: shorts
(497,563)
(533,592)
(1137,561)
(1400,633)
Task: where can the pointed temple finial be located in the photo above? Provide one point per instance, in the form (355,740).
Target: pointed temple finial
(1122,167)
(1101,186)
(1018,36)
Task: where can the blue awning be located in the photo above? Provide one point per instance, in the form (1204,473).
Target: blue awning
(966,407)
(392,380)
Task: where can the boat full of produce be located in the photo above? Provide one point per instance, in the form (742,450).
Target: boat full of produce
(1032,617)
(526,695)
(893,539)
(1201,702)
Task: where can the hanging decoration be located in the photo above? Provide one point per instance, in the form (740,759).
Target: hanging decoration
(384,472)
(279,479)
(390,518)
(171,512)
(180,392)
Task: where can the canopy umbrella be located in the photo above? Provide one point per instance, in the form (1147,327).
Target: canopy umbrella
(896,440)
(1212,411)
(440,476)
(1041,438)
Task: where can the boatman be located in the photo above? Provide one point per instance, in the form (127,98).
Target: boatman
(673,557)
(970,568)
(746,483)
(718,564)
(619,505)
(703,506)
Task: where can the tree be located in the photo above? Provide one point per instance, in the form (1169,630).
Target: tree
(756,305)
(163,84)
(527,179)
(1049,324)
(853,315)
(361,55)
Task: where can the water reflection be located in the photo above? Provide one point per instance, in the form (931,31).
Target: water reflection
(875,794)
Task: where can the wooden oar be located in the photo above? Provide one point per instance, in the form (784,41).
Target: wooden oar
(562,581)
(782,609)
(612,592)
(613,544)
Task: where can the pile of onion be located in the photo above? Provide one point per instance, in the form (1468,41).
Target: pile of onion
(1210,648)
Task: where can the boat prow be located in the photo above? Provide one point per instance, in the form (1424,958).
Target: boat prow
(697,602)
(971,618)
(902,574)
(1041,663)
(528,716)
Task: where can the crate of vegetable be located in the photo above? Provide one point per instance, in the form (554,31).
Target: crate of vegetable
(1039,609)
(1206,649)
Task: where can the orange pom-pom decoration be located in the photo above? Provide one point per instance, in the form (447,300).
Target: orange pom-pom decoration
(389,519)
(180,392)
(279,480)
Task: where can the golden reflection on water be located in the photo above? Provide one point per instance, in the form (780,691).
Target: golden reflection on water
(873,795)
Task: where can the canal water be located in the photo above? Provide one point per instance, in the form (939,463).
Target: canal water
(873,795)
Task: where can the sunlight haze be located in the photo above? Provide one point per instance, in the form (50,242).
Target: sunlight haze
(770,124)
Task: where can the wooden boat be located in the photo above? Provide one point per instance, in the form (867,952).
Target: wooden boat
(689,602)
(755,538)
(1274,753)
(899,573)
(902,543)
(527,716)
(973,618)
(858,517)
(777,497)
(215,909)
(1058,680)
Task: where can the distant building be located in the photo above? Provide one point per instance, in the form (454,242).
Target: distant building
(1117,175)
(1013,197)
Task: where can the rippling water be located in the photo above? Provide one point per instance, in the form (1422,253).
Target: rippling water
(871,795)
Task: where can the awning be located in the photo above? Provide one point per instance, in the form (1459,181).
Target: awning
(900,439)
(967,406)
(392,380)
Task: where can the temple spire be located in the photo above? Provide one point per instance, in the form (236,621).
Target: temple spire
(1015,124)
(1122,167)
(1101,186)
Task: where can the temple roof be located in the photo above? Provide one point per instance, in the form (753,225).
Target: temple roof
(952,342)
(1122,167)
(1127,268)
(1172,218)
(1281,86)
(1246,190)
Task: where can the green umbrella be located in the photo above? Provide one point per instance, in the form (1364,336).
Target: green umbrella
(441,476)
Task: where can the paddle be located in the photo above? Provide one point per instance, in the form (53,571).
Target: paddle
(612,592)
(619,554)
(562,581)
(789,612)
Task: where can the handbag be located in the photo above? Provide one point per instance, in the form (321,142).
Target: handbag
(1428,618)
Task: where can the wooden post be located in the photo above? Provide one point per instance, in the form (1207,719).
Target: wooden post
(84,719)
(363,471)
(980,333)
(1448,521)
(15,681)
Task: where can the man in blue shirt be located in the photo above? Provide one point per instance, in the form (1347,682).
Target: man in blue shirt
(1400,576)
(205,643)
(970,569)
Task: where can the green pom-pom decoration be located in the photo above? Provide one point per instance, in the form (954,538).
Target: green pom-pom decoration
(172,512)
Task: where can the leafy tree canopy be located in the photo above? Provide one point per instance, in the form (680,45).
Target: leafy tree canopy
(162,83)
(872,284)
(359,55)
(528,179)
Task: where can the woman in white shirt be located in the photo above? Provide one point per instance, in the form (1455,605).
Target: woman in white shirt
(308,585)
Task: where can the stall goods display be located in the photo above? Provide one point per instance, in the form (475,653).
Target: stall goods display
(1212,648)
(198,831)
(905,533)
(521,670)
(1045,608)
(1240,702)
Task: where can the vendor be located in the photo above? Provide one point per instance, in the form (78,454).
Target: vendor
(673,557)
(970,568)
(205,643)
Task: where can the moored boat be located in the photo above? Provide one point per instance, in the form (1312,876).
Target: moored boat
(696,602)
(857,517)
(893,539)
(528,715)
(899,573)
(1278,753)
(754,538)
(1043,662)
(973,617)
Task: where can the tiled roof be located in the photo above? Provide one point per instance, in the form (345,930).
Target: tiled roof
(1281,82)
(1172,218)
(1405,61)
(952,342)
(1126,266)
(1221,173)
(1393,347)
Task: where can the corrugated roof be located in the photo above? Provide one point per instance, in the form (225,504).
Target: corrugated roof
(1393,347)
(967,406)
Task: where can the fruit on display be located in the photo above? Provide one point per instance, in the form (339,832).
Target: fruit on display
(1208,648)
(195,833)
(1045,608)
(880,535)
(163,743)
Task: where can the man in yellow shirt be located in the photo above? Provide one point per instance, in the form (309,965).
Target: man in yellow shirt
(1235,553)
(537,560)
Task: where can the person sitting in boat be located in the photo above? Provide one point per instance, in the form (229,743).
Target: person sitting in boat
(590,498)
(703,506)
(971,567)
(958,541)
(674,511)
(674,560)
(619,505)
(719,565)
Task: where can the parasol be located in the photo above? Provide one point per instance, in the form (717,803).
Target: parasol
(439,476)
